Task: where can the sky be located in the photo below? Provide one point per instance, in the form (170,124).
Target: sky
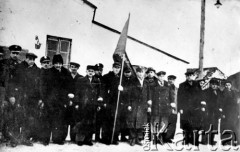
(174,26)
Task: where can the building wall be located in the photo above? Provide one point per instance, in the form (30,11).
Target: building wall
(21,21)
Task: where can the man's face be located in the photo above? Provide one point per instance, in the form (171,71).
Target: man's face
(128,74)
(30,61)
(151,74)
(90,72)
(214,86)
(99,72)
(201,83)
(140,74)
(14,55)
(190,77)
(45,65)
(116,69)
(161,77)
(73,69)
(171,81)
(228,86)
(58,66)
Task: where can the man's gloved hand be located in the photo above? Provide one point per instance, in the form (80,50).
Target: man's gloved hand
(181,111)
(120,88)
(203,103)
(173,105)
(220,109)
(203,109)
(70,103)
(42,106)
(98,108)
(129,108)
(149,109)
(40,102)
(149,102)
(100,99)
(77,106)
(70,95)
(12,100)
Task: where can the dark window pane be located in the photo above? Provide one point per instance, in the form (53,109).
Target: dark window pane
(64,46)
(52,45)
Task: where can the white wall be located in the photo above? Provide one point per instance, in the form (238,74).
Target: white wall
(21,20)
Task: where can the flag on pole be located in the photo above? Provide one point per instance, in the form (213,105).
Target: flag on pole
(121,47)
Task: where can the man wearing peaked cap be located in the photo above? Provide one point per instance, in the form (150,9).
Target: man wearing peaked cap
(45,59)
(101,111)
(45,62)
(172,77)
(87,95)
(99,70)
(214,81)
(189,73)
(185,98)
(44,76)
(150,69)
(28,77)
(117,65)
(72,113)
(161,73)
(15,48)
(213,98)
(75,64)
(111,83)
(99,65)
(31,55)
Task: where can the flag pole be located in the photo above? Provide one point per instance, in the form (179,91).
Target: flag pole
(116,111)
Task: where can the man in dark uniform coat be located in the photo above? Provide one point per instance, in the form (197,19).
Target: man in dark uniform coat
(125,101)
(187,106)
(13,89)
(10,76)
(101,109)
(87,95)
(169,133)
(44,128)
(137,110)
(230,112)
(160,104)
(213,100)
(57,99)
(152,82)
(29,73)
(71,112)
(110,84)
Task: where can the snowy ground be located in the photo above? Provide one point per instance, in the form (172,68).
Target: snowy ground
(98,147)
(122,147)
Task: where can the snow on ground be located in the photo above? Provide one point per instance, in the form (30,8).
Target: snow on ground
(98,147)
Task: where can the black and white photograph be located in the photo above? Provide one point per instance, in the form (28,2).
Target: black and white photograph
(119,75)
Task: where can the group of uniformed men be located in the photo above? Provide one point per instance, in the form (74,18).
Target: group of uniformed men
(39,104)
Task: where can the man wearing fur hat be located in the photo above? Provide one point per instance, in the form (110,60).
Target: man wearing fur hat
(56,99)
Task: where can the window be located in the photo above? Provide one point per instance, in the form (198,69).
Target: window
(59,45)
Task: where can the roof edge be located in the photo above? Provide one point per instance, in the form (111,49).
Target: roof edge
(90,4)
